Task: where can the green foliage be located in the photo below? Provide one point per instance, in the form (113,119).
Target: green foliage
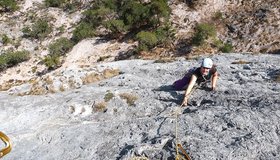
(160,8)
(108,96)
(3,63)
(39,30)
(10,59)
(202,32)
(218,43)
(8,5)
(165,34)
(94,17)
(66,5)
(52,61)
(135,14)
(115,26)
(57,49)
(147,40)
(5,39)
(218,16)
(84,30)
(60,46)
(13,58)
(127,17)
(54,3)
(226,48)
(112,4)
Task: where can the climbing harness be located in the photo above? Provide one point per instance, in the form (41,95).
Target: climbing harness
(178,145)
(8,147)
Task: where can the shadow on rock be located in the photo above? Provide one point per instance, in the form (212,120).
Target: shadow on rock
(175,97)
(166,88)
(125,150)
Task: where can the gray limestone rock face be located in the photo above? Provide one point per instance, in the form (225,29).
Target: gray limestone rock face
(133,114)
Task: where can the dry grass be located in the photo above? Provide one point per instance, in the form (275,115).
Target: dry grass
(11,83)
(130,98)
(94,77)
(108,73)
(48,80)
(61,88)
(164,60)
(241,62)
(277,79)
(37,90)
(100,107)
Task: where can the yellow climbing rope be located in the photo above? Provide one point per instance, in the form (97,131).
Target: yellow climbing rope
(178,145)
(8,147)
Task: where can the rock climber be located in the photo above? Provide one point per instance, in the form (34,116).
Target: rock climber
(201,75)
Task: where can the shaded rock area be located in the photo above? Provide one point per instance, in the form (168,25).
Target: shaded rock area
(134,114)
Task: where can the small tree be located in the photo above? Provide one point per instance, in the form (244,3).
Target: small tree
(52,61)
(202,32)
(115,26)
(226,48)
(147,40)
(82,31)
(60,46)
(135,14)
(165,35)
(10,59)
(39,30)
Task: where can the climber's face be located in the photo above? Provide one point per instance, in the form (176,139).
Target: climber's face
(204,70)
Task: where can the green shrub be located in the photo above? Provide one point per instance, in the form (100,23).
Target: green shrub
(8,5)
(54,3)
(135,14)
(71,7)
(84,30)
(218,16)
(160,8)
(13,58)
(52,61)
(202,32)
(147,40)
(115,26)
(108,96)
(218,43)
(165,34)
(60,46)
(226,48)
(5,39)
(10,59)
(95,17)
(127,17)
(3,63)
(39,30)
(66,5)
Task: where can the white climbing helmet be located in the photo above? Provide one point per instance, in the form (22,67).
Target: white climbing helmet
(207,63)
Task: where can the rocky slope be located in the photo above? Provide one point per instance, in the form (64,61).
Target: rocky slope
(88,109)
(250,26)
(133,115)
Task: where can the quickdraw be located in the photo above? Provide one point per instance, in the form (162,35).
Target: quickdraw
(8,147)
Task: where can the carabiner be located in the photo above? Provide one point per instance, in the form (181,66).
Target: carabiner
(7,142)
